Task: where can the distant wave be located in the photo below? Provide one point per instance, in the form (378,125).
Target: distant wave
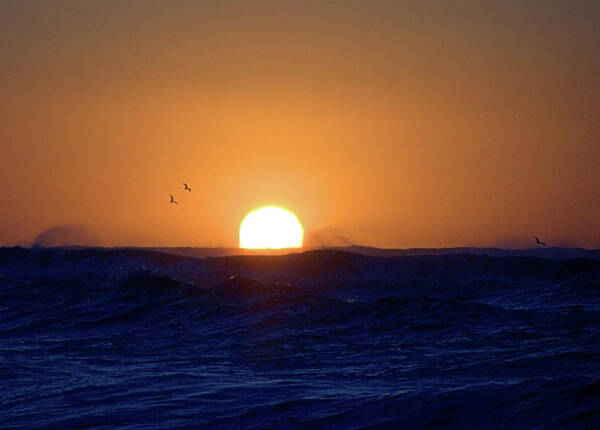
(307,265)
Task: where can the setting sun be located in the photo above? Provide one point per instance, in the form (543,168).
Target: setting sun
(270,227)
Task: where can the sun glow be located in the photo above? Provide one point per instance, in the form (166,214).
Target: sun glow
(270,227)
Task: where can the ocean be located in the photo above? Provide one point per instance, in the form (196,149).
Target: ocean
(140,339)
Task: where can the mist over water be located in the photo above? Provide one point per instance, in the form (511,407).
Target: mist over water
(326,339)
(65,235)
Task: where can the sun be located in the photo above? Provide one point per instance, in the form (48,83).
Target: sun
(270,227)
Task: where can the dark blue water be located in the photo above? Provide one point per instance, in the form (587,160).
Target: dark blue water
(134,339)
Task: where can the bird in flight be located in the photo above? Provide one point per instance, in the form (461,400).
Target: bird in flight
(173,199)
(538,241)
(185,187)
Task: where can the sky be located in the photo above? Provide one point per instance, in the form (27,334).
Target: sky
(383,123)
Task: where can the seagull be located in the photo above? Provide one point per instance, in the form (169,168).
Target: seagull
(185,187)
(538,241)
(172,199)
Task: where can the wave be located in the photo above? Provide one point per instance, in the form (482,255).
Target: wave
(107,338)
(326,264)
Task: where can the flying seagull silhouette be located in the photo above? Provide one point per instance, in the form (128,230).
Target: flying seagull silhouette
(538,241)
(173,199)
(185,187)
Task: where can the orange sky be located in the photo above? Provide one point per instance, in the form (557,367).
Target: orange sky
(391,124)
